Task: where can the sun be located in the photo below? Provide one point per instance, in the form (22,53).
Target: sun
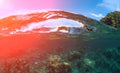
(5,4)
(2,2)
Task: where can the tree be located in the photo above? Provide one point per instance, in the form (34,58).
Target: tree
(112,19)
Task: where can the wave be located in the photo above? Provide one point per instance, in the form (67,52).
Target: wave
(47,26)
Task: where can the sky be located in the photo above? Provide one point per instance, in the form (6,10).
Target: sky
(95,9)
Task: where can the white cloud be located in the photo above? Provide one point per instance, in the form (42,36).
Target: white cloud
(97,15)
(111,4)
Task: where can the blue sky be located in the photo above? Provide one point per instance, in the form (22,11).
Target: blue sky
(92,8)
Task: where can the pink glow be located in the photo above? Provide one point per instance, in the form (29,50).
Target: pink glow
(10,7)
(34,4)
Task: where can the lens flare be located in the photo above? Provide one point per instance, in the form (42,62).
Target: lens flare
(2,2)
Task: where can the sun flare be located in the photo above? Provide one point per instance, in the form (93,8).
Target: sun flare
(2,2)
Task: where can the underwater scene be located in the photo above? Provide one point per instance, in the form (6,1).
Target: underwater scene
(61,39)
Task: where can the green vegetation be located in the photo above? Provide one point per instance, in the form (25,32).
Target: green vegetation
(112,19)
